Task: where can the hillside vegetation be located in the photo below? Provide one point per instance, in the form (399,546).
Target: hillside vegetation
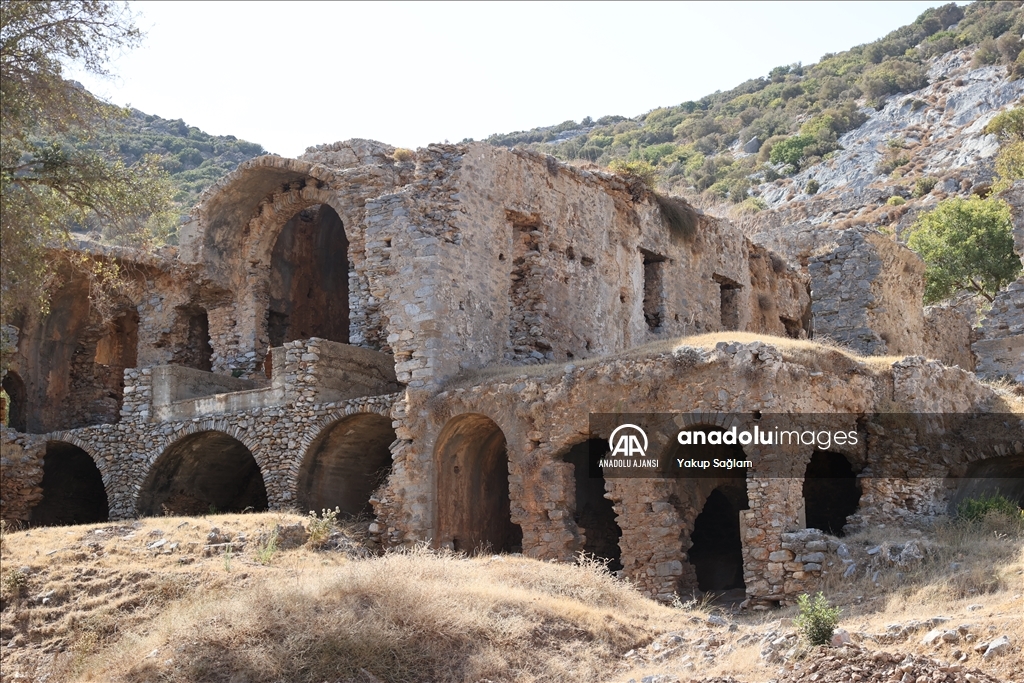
(779,124)
(194,159)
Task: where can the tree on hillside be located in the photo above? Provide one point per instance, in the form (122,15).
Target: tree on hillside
(51,176)
(1008,126)
(966,244)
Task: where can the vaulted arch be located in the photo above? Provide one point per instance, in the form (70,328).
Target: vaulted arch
(474,508)
(347,461)
(203,472)
(73,490)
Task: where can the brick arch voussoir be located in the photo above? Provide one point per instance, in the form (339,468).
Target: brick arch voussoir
(277,210)
(208,425)
(317,429)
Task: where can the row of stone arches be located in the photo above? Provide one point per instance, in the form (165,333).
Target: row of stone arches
(474,501)
(209,470)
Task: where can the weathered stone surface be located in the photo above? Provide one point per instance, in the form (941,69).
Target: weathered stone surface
(494,298)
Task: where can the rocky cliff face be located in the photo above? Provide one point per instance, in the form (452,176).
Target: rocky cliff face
(930,137)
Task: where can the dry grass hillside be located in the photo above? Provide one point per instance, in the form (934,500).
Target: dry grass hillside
(213,599)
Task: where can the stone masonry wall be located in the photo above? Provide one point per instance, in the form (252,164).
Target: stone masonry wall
(542,416)
(21,466)
(867,294)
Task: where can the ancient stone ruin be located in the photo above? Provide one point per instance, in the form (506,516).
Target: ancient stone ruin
(423,342)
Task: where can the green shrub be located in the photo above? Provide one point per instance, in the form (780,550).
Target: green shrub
(890,163)
(818,619)
(14,582)
(790,150)
(320,527)
(639,171)
(896,200)
(812,186)
(976,509)
(924,185)
(265,551)
(966,244)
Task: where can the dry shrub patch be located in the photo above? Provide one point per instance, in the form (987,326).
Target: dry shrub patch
(406,616)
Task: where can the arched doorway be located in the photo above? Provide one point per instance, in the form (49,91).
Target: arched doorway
(716,547)
(831,492)
(309,278)
(346,463)
(17,402)
(474,510)
(203,473)
(717,551)
(594,513)
(1002,475)
(73,491)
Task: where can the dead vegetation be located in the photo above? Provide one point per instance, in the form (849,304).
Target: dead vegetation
(109,603)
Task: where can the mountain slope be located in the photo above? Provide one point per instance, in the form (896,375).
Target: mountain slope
(784,123)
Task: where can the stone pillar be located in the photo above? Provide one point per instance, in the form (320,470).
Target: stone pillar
(21,474)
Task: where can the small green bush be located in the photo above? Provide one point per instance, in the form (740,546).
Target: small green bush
(896,200)
(890,163)
(320,527)
(924,185)
(976,509)
(640,171)
(265,552)
(14,582)
(812,186)
(818,619)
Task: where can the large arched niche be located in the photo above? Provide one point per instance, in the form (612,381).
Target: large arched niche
(73,491)
(831,492)
(715,545)
(203,473)
(474,509)
(346,463)
(1002,475)
(235,201)
(594,513)
(308,284)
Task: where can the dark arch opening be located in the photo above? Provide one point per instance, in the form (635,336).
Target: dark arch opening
(16,410)
(474,507)
(1002,475)
(73,491)
(716,550)
(203,473)
(831,492)
(346,464)
(309,279)
(594,514)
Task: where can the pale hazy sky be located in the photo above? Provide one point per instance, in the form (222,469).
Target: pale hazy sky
(289,75)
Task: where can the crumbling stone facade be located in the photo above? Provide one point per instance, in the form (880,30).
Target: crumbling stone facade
(495,298)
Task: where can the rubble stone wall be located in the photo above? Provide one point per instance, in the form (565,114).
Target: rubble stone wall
(867,292)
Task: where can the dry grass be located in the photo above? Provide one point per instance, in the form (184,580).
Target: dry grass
(118,611)
(819,354)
